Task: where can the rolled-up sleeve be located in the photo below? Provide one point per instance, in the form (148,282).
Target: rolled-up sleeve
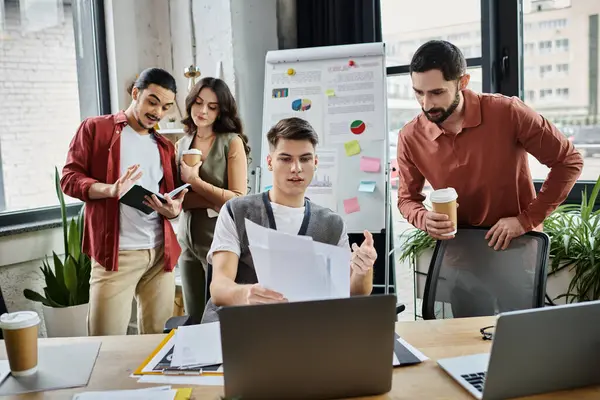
(75,181)
(550,147)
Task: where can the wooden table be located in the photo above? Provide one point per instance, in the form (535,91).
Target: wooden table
(120,355)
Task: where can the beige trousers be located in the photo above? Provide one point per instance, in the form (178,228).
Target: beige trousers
(140,275)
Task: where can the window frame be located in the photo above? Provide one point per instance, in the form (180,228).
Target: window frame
(501,61)
(92,19)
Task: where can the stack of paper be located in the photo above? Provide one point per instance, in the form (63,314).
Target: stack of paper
(298,267)
(155,393)
(188,355)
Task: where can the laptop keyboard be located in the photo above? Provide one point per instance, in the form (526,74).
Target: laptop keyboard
(475,379)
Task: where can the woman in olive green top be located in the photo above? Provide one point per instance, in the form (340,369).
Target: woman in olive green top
(213,126)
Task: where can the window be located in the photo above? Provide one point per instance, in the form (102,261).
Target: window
(405,32)
(562,68)
(530,95)
(553,24)
(545,70)
(50,78)
(529,47)
(562,45)
(545,94)
(563,93)
(545,46)
(572,104)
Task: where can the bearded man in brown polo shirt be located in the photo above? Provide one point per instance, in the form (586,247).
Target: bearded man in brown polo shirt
(479,145)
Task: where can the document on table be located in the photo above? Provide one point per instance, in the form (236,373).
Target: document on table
(155,393)
(197,345)
(298,267)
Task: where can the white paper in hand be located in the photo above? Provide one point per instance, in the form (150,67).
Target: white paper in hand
(197,345)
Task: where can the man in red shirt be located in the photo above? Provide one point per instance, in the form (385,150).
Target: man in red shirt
(479,145)
(133,253)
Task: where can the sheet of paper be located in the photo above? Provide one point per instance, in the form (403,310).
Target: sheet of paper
(162,359)
(358,100)
(297,95)
(197,345)
(367,186)
(323,187)
(183,380)
(298,276)
(352,148)
(351,205)
(155,393)
(298,267)
(406,354)
(370,164)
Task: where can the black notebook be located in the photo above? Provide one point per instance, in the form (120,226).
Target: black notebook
(134,197)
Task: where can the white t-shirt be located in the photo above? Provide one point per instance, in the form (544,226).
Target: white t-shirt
(287,220)
(138,231)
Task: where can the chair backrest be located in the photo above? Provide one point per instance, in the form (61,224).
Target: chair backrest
(468,278)
(208,281)
(3,310)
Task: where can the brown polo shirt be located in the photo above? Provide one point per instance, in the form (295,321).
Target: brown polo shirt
(487,163)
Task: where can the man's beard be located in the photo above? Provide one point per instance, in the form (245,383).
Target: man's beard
(444,114)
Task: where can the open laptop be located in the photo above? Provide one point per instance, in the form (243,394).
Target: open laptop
(534,351)
(309,350)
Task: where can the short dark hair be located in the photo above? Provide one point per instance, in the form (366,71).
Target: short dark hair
(441,55)
(155,76)
(292,129)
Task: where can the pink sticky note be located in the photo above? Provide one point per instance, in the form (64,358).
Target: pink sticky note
(370,164)
(351,205)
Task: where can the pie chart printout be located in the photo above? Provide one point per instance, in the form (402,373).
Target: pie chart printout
(301,105)
(357,127)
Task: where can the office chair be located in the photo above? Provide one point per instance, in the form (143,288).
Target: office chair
(184,320)
(3,310)
(467,278)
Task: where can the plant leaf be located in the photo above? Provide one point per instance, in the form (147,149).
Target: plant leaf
(71,279)
(34,296)
(74,243)
(51,302)
(63,213)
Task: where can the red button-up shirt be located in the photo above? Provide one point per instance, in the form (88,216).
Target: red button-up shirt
(94,156)
(487,163)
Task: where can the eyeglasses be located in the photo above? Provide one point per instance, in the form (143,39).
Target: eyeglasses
(486,334)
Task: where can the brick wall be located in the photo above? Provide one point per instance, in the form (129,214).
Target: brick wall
(40,107)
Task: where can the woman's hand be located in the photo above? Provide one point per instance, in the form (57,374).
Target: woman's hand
(189,174)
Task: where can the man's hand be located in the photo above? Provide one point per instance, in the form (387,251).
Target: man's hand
(437,225)
(505,230)
(169,210)
(125,182)
(256,294)
(363,257)
(188,174)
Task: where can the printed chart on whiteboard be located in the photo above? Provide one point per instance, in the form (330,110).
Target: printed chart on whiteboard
(341,92)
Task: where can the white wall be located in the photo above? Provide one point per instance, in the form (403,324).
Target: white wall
(254,33)
(137,37)
(21,256)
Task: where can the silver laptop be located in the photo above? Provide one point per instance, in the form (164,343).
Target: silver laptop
(534,351)
(309,350)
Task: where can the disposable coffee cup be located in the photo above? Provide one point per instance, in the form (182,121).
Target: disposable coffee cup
(444,202)
(20,330)
(192,157)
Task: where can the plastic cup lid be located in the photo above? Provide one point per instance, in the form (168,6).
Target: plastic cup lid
(192,151)
(444,195)
(19,320)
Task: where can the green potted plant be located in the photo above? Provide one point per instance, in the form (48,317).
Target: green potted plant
(574,231)
(417,249)
(66,295)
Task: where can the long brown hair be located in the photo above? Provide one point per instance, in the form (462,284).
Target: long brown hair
(228,120)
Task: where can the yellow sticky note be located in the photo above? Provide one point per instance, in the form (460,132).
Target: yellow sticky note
(330,92)
(183,394)
(352,148)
